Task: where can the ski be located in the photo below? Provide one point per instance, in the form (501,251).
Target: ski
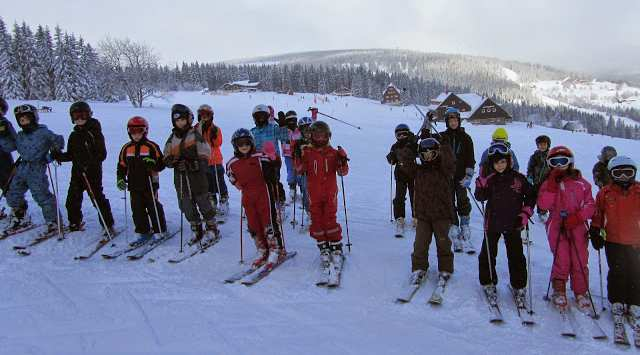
(240,274)
(437,296)
(495,315)
(596,329)
(101,243)
(620,336)
(398,235)
(524,313)
(131,247)
(409,290)
(264,270)
(323,275)
(24,250)
(197,249)
(9,232)
(335,273)
(567,329)
(635,326)
(148,247)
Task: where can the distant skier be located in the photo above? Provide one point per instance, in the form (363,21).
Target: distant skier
(510,200)
(34,143)
(433,207)
(7,167)
(616,226)
(567,197)
(86,150)
(187,153)
(320,162)
(462,146)
(254,174)
(403,155)
(212,134)
(538,169)
(601,175)
(139,162)
(500,135)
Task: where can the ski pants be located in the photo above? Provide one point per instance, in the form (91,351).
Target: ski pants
(32,176)
(461,201)
(402,185)
(515,256)
(195,207)
(324,225)
(623,280)
(215,177)
(77,187)
(302,183)
(424,233)
(143,211)
(566,262)
(261,213)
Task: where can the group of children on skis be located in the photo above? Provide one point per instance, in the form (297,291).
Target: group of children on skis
(438,187)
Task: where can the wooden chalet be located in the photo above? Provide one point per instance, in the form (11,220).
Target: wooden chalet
(391,96)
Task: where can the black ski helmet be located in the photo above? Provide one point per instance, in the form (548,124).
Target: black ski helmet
(426,145)
(402,127)
(240,134)
(543,139)
(181,111)
(28,110)
(79,106)
(4,106)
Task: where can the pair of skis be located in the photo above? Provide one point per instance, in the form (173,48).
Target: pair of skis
(568,328)
(495,314)
(193,250)
(437,296)
(620,336)
(25,250)
(251,275)
(331,275)
(144,248)
(101,243)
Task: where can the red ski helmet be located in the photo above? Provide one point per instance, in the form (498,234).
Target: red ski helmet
(137,124)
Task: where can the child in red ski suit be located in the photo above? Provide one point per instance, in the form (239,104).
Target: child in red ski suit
(254,174)
(567,197)
(320,162)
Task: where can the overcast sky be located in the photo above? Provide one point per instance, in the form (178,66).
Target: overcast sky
(593,35)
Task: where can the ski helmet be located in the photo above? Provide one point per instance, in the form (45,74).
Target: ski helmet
(291,115)
(320,133)
(80,106)
(28,110)
(261,115)
(560,156)
(402,127)
(305,121)
(607,153)
(498,151)
(204,109)
(137,124)
(543,139)
(428,149)
(4,107)
(622,169)
(500,134)
(240,135)
(451,112)
(181,111)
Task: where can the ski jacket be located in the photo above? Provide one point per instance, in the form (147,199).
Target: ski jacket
(6,159)
(462,146)
(33,146)
(403,155)
(270,132)
(601,174)
(212,134)
(508,194)
(434,187)
(537,168)
(321,165)
(133,169)
(618,212)
(251,174)
(188,146)
(85,147)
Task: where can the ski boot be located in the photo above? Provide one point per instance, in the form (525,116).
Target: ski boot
(325,256)
(465,235)
(276,256)
(619,331)
(417,277)
(337,257)
(212,234)
(260,259)
(454,235)
(213,199)
(18,219)
(584,304)
(559,296)
(142,239)
(76,227)
(491,293)
(196,228)
(52,228)
(399,224)
(520,297)
(223,207)
(111,232)
(3,214)
(634,320)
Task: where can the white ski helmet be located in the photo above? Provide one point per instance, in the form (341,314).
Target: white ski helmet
(620,161)
(260,108)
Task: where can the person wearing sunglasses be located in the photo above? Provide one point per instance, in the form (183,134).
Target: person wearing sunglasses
(601,176)
(462,146)
(403,155)
(187,153)
(567,197)
(86,151)
(433,209)
(510,199)
(34,143)
(6,159)
(538,169)
(616,227)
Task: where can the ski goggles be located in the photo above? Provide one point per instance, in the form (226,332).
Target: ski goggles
(559,161)
(177,116)
(429,155)
(402,134)
(623,173)
(137,130)
(22,109)
(499,148)
(242,142)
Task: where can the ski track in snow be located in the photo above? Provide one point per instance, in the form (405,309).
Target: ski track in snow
(52,304)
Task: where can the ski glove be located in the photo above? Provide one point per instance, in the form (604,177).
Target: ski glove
(391,158)
(149,162)
(56,155)
(466,181)
(4,128)
(483,181)
(121,184)
(597,241)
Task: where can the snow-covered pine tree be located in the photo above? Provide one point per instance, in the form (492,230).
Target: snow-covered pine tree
(44,80)
(9,87)
(24,56)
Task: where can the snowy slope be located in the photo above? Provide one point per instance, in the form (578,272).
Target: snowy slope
(51,304)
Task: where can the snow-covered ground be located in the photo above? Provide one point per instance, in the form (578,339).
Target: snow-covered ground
(51,304)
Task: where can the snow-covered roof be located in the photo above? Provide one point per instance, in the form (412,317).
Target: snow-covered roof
(443,96)
(474,100)
(574,126)
(244,83)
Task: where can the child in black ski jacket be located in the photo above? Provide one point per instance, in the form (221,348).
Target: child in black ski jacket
(403,155)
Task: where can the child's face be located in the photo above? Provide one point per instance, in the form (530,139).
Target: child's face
(24,120)
(542,146)
(80,118)
(244,149)
(137,136)
(500,165)
(181,123)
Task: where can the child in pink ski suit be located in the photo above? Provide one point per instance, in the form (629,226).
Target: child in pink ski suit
(568,198)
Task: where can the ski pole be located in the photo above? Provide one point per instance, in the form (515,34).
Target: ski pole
(584,277)
(126,214)
(346,219)
(241,231)
(555,255)
(92,197)
(481,208)
(55,194)
(278,215)
(601,287)
(529,281)
(391,193)
(186,176)
(337,119)
(295,197)
(215,170)
(155,204)
(426,119)
(182,210)
(486,242)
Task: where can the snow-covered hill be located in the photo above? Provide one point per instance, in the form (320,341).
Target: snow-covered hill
(51,304)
